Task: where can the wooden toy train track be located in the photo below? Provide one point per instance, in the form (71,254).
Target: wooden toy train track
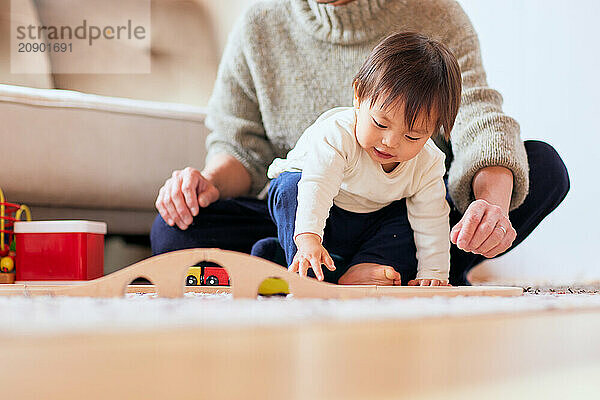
(167,272)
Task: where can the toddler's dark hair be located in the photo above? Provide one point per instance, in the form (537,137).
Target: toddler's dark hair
(411,69)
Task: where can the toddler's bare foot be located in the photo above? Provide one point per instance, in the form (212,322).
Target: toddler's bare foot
(370,274)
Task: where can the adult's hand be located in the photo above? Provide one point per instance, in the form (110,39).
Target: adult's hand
(181,196)
(484,229)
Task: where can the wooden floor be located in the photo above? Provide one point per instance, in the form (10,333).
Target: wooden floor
(551,354)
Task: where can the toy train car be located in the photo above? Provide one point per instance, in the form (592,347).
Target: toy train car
(207,275)
(210,274)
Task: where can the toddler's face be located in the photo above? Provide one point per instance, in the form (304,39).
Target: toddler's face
(385,136)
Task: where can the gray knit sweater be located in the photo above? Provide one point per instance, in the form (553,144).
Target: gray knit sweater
(288,61)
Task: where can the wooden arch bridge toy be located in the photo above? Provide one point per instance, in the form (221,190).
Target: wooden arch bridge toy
(168,271)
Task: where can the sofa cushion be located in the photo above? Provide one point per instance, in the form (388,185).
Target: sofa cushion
(24,14)
(184,55)
(69,149)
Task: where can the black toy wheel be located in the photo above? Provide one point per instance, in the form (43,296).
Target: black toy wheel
(212,281)
(191,280)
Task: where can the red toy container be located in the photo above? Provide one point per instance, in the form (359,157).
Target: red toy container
(59,250)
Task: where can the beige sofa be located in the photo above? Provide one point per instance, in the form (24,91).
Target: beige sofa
(99,147)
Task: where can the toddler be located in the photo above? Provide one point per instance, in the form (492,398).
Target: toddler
(367,182)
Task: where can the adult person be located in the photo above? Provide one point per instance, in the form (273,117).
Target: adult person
(288,61)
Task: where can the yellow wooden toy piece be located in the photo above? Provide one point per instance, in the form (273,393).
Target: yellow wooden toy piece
(273,287)
(7,264)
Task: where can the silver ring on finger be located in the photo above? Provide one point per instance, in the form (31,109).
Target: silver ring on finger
(503,228)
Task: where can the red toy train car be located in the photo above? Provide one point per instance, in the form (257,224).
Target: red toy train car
(208,274)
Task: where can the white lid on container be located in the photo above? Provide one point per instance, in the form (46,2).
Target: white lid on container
(60,226)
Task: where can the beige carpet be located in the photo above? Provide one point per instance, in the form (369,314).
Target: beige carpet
(52,315)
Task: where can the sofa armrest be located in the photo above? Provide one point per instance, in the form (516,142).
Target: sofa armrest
(69,149)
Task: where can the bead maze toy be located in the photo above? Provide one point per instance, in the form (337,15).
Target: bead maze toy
(168,273)
(7,247)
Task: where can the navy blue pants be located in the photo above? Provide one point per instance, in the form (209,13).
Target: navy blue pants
(238,223)
(382,237)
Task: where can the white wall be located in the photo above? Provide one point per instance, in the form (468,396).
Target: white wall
(543,56)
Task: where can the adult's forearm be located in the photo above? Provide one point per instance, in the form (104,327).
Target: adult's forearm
(494,185)
(229,175)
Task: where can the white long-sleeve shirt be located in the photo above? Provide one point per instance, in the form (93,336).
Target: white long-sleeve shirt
(336,170)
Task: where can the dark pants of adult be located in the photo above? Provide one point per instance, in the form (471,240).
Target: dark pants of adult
(238,223)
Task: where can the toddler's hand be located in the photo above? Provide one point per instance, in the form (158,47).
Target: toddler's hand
(310,254)
(428,282)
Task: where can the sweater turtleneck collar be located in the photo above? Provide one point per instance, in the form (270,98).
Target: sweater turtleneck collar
(351,23)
